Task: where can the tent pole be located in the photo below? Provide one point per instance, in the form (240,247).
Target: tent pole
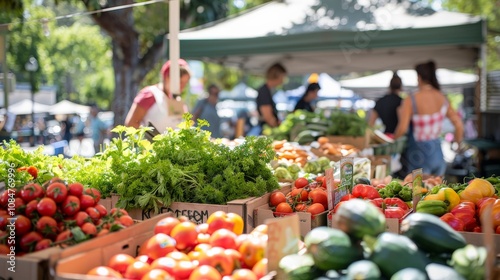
(483,72)
(174,52)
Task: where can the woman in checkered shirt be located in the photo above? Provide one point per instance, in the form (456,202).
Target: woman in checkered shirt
(421,117)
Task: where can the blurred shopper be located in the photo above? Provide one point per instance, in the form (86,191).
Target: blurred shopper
(310,95)
(66,127)
(156,105)
(275,76)
(422,116)
(98,129)
(386,107)
(206,109)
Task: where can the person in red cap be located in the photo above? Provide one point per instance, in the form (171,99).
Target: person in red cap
(156,106)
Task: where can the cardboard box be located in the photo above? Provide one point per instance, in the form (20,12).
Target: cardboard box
(380,160)
(73,262)
(33,266)
(307,221)
(360,142)
(198,212)
(477,239)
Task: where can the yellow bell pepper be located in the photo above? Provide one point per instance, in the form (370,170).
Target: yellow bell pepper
(447,195)
(477,189)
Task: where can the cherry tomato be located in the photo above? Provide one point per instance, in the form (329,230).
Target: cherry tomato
(86,201)
(81,218)
(316,208)
(276,198)
(23,225)
(20,206)
(33,171)
(47,226)
(93,213)
(57,191)
(126,220)
(29,240)
(71,205)
(31,191)
(94,193)
(75,189)
(64,235)
(284,207)
(46,207)
(30,210)
(43,244)
(89,228)
(301,182)
(102,210)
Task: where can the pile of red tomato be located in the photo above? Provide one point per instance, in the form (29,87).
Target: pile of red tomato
(305,196)
(181,250)
(56,213)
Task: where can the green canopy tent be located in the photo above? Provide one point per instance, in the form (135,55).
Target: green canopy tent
(337,37)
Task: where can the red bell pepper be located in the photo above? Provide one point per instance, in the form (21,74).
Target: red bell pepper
(394,213)
(395,201)
(497,230)
(481,203)
(467,214)
(453,221)
(477,229)
(365,192)
(468,203)
(347,197)
(378,202)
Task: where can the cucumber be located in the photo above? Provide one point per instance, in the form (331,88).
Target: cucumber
(431,234)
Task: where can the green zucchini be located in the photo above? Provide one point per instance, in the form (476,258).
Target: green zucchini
(442,272)
(393,252)
(362,180)
(331,248)
(409,274)
(299,267)
(431,234)
(363,270)
(358,218)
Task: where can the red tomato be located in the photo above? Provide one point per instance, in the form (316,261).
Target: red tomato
(19,205)
(394,212)
(4,249)
(102,210)
(89,228)
(46,207)
(243,274)
(316,208)
(33,171)
(166,225)
(299,194)
(4,198)
(94,193)
(185,235)
(81,218)
(276,198)
(126,221)
(217,258)
(321,180)
(104,271)
(157,274)
(300,183)
(205,272)
(43,244)
(29,240)
(23,225)
(64,235)
(102,232)
(157,246)
(93,214)
(4,221)
(118,212)
(47,226)
(31,191)
(319,196)
(260,268)
(299,207)
(223,238)
(30,210)
(75,189)
(284,207)
(57,191)
(86,201)
(252,250)
(120,262)
(71,205)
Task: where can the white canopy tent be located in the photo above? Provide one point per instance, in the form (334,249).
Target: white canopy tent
(240,92)
(25,107)
(66,107)
(376,85)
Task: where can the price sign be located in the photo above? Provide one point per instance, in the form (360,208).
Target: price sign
(380,171)
(417,187)
(283,236)
(330,188)
(346,173)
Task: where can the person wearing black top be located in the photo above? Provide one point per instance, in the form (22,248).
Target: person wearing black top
(387,106)
(266,107)
(305,101)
